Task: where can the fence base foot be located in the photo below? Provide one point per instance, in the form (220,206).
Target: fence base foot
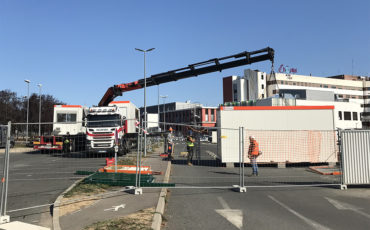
(4,219)
(240,189)
(343,187)
(134,190)
(281,165)
(138,191)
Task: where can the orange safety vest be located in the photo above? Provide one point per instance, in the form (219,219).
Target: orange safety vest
(253,148)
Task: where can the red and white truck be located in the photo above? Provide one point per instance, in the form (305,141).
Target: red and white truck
(96,129)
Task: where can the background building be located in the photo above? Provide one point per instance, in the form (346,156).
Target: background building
(349,94)
(184,113)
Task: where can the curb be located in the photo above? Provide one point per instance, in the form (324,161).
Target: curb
(159,211)
(56,225)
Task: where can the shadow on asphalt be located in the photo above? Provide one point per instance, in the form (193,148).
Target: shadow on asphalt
(208,163)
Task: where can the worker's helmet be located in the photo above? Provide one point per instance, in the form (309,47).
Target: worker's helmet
(252,138)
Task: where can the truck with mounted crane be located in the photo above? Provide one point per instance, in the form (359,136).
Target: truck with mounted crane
(101,127)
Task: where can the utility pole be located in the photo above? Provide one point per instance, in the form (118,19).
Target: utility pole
(39,85)
(145,115)
(28,106)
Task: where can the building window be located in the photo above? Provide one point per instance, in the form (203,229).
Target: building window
(262,86)
(66,117)
(261,76)
(347,116)
(212,115)
(263,95)
(340,115)
(354,115)
(325,86)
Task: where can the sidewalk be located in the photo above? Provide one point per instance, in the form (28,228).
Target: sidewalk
(115,204)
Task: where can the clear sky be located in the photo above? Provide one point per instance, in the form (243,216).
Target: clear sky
(77,49)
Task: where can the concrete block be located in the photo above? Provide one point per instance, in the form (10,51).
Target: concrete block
(281,165)
(230,165)
(4,219)
(138,191)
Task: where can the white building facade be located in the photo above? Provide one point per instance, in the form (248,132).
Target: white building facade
(351,94)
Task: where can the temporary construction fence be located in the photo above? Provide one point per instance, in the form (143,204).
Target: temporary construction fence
(355,148)
(219,160)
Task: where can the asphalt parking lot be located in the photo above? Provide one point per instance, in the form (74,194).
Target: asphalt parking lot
(277,199)
(38,179)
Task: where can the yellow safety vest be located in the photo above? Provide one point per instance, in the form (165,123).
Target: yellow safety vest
(190,144)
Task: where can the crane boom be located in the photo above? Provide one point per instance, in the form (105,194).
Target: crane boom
(193,70)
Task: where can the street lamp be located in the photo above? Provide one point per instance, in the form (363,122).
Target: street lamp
(145,115)
(39,85)
(164,111)
(28,106)
(158,110)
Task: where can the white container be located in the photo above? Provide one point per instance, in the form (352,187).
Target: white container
(284,133)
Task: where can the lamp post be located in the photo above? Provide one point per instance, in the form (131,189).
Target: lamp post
(158,110)
(28,106)
(39,85)
(145,115)
(164,111)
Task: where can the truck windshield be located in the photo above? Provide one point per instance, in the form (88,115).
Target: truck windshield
(103,120)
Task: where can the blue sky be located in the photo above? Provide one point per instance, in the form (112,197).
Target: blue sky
(77,49)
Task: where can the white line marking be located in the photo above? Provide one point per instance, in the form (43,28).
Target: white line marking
(234,216)
(345,206)
(310,222)
(115,208)
(223,203)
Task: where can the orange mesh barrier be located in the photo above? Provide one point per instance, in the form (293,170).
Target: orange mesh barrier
(294,146)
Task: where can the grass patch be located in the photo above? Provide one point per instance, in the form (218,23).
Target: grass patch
(127,160)
(87,189)
(141,220)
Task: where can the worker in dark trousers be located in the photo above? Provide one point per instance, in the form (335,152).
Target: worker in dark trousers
(170,144)
(67,144)
(190,147)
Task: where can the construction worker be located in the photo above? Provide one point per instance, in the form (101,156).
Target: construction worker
(66,145)
(190,147)
(170,144)
(253,153)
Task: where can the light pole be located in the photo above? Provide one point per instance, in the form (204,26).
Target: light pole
(158,110)
(28,106)
(39,85)
(164,112)
(145,115)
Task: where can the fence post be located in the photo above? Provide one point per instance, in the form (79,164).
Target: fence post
(4,191)
(241,187)
(138,189)
(340,149)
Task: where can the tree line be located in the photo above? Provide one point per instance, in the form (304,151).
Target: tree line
(14,108)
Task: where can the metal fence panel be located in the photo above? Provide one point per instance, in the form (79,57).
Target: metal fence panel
(293,158)
(202,167)
(356,156)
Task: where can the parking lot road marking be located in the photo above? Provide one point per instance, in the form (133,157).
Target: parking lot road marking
(310,222)
(223,203)
(115,208)
(234,216)
(345,206)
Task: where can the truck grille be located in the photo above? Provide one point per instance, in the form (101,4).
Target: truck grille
(102,145)
(102,133)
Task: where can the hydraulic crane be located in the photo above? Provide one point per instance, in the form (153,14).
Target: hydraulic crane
(192,70)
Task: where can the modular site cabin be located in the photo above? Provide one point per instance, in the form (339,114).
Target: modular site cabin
(286,134)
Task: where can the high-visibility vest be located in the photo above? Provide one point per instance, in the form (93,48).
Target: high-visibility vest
(253,148)
(190,144)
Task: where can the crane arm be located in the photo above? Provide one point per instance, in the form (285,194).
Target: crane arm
(193,70)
